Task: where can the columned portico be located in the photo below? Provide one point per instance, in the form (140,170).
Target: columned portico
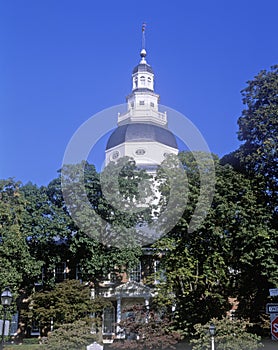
(129,294)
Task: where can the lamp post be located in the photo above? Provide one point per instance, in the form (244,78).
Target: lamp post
(6,299)
(212,330)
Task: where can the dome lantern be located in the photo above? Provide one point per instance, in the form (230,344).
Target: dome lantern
(142,131)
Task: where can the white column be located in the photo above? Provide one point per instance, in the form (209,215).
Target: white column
(212,343)
(118,313)
(147,309)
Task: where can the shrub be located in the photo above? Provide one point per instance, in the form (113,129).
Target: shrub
(230,335)
(30,341)
(155,334)
(71,336)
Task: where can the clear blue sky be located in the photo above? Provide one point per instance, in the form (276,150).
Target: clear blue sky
(64,60)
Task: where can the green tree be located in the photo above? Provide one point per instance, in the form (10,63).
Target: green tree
(146,330)
(47,227)
(18,268)
(257,159)
(232,253)
(103,236)
(71,336)
(54,237)
(195,273)
(258,129)
(69,301)
(230,335)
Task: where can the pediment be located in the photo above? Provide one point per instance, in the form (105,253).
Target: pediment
(133,289)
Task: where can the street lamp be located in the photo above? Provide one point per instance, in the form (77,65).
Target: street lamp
(6,299)
(212,330)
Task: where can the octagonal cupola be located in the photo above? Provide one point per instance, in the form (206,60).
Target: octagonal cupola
(142,101)
(142,75)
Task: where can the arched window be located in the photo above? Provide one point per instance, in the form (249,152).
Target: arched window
(149,81)
(143,81)
(140,152)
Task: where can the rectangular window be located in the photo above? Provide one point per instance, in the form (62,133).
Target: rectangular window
(60,272)
(135,273)
(152,104)
(159,274)
(78,273)
(109,320)
(141,103)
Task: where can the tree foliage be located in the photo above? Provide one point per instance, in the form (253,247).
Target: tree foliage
(146,330)
(47,228)
(67,302)
(18,267)
(71,336)
(258,129)
(232,253)
(103,232)
(257,159)
(230,335)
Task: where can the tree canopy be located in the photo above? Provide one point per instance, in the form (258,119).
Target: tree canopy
(258,130)
(232,253)
(18,266)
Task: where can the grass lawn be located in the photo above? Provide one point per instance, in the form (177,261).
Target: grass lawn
(25,347)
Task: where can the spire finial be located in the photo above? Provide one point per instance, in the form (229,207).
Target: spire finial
(143,52)
(143,35)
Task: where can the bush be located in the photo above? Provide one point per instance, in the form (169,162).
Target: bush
(30,341)
(230,335)
(72,336)
(156,334)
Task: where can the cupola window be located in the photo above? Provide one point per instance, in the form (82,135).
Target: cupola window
(115,155)
(143,81)
(140,152)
